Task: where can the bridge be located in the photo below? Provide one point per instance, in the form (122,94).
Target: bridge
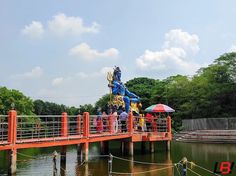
(33,131)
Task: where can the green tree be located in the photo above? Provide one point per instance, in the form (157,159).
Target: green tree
(11,97)
(142,87)
(103,103)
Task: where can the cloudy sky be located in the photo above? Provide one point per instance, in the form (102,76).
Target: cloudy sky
(60,51)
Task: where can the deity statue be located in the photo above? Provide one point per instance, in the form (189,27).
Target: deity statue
(123,97)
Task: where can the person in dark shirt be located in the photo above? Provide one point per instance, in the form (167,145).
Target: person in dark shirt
(123,119)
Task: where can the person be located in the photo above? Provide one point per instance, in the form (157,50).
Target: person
(142,124)
(148,121)
(105,121)
(99,124)
(115,121)
(123,119)
(118,88)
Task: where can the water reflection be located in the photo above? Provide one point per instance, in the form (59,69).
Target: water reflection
(203,154)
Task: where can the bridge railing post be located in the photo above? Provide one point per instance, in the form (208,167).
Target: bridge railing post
(12,126)
(86,126)
(78,124)
(64,125)
(12,137)
(130,123)
(168,121)
(111,123)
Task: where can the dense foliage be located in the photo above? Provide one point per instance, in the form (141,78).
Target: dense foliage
(211,92)
(10,99)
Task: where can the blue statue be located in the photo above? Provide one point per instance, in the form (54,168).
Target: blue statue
(120,91)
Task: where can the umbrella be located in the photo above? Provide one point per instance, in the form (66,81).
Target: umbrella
(159,108)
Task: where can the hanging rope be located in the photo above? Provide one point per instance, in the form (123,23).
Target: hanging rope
(28,156)
(140,162)
(194,172)
(137,173)
(177,169)
(205,169)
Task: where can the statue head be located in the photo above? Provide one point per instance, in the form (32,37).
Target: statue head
(117,74)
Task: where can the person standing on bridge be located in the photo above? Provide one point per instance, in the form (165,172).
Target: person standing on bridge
(123,119)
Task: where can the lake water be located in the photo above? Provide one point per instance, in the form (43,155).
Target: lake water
(33,162)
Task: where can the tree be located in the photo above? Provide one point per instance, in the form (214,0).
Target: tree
(103,102)
(15,99)
(142,87)
(87,108)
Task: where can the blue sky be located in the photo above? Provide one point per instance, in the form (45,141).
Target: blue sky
(60,51)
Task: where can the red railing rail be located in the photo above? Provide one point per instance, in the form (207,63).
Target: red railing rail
(22,129)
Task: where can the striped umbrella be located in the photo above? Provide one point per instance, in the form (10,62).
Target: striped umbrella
(159,108)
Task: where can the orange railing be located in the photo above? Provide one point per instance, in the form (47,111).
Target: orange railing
(36,128)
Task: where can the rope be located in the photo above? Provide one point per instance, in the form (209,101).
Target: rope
(177,169)
(204,169)
(194,172)
(81,163)
(140,162)
(22,154)
(136,173)
(98,156)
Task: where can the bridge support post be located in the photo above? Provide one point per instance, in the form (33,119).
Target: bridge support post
(151,147)
(63,161)
(143,146)
(122,147)
(79,153)
(86,128)
(12,156)
(104,145)
(85,151)
(131,148)
(167,145)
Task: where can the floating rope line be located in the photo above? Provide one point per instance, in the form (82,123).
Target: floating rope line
(136,173)
(28,156)
(204,169)
(81,163)
(98,156)
(177,169)
(194,172)
(140,162)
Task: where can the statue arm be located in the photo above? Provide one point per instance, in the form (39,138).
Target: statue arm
(115,88)
(130,94)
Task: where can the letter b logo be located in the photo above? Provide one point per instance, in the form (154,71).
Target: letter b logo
(226,167)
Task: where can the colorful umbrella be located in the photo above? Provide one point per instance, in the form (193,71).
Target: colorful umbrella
(159,108)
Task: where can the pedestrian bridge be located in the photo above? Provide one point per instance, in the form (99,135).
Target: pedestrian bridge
(30,131)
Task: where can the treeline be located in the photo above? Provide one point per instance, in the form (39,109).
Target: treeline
(211,92)
(14,99)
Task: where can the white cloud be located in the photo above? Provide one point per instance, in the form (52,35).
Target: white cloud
(34,30)
(84,51)
(232,48)
(105,70)
(62,25)
(174,58)
(179,39)
(36,72)
(82,75)
(57,81)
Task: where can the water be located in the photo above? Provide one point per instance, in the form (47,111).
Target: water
(33,162)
